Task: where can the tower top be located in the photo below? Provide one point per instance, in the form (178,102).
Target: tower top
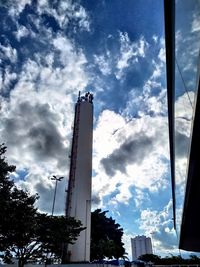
(88,97)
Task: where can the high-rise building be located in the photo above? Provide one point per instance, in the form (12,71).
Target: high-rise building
(78,204)
(183,82)
(140,245)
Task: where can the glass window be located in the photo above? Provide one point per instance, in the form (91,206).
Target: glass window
(187,42)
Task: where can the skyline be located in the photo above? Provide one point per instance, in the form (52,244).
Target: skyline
(49,52)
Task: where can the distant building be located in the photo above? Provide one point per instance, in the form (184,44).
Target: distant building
(78,204)
(140,245)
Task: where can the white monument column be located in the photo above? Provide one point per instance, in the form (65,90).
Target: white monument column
(79,187)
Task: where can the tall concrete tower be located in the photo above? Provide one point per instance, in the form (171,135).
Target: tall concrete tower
(78,204)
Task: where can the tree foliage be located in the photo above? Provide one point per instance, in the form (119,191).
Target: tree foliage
(5,184)
(169,260)
(55,232)
(106,237)
(150,258)
(25,233)
(18,226)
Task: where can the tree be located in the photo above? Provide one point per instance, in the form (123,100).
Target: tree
(6,185)
(174,259)
(55,232)
(169,260)
(194,259)
(19,230)
(17,212)
(25,233)
(150,258)
(106,237)
(41,239)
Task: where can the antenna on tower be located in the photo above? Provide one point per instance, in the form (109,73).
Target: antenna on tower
(79,96)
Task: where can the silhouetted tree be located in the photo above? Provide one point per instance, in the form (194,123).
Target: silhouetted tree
(150,258)
(194,259)
(26,234)
(17,212)
(55,232)
(169,260)
(173,259)
(6,184)
(106,237)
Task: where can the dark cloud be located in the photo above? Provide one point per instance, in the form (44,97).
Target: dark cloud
(34,129)
(96,200)
(181,145)
(46,194)
(131,151)
(45,140)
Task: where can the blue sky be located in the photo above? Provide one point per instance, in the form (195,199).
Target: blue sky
(50,50)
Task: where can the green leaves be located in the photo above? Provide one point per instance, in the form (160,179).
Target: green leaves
(106,237)
(150,258)
(169,260)
(55,231)
(25,233)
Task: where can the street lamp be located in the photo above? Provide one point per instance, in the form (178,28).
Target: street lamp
(57,179)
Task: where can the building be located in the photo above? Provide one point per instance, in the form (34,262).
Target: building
(140,245)
(183,73)
(78,204)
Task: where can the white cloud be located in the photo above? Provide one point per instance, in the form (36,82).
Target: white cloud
(83,18)
(159,225)
(46,76)
(104,134)
(140,197)
(129,52)
(151,98)
(37,116)
(16,7)
(123,196)
(157,104)
(180,173)
(22,31)
(65,12)
(8,52)
(69,56)
(187,36)
(155,38)
(140,167)
(36,120)
(183,121)
(183,124)
(195,23)
(157,72)
(103,64)
(150,174)
(6,79)
(162,55)
(183,108)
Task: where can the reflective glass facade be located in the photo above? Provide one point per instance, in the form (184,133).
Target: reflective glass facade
(187,43)
(182,34)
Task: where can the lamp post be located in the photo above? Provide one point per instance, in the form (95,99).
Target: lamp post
(57,179)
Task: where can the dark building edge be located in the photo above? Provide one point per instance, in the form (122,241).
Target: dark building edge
(190,226)
(169,17)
